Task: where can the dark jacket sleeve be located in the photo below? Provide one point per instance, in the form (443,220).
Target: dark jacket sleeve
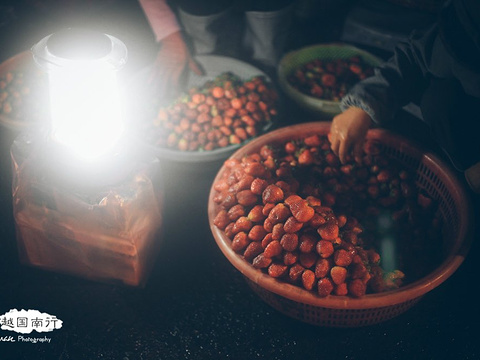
(399,81)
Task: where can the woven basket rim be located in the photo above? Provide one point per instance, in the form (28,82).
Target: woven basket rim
(370,301)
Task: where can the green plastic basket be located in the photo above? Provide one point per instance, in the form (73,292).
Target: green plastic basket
(295,59)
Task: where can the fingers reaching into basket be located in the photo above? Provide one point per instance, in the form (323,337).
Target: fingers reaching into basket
(347,133)
(173,62)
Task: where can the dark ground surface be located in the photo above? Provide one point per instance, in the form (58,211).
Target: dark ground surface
(196,305)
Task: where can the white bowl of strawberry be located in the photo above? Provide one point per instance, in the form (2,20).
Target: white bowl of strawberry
(231,104)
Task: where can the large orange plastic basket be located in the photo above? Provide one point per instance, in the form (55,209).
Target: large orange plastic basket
(432,175)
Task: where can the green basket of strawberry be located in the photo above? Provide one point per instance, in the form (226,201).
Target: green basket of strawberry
(318,76)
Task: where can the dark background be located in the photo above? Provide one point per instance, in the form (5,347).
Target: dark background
(195,304)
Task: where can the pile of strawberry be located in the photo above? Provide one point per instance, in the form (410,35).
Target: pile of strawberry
(329,79)
(294,211)
(225,111)
(23,95)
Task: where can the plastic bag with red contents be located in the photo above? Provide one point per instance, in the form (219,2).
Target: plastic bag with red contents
(107,232)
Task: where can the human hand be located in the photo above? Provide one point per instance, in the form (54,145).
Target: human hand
(171,67)
(347,133)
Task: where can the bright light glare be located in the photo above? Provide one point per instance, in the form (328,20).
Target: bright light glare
(85,108)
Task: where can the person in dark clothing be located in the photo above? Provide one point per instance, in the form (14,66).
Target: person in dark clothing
(440,71)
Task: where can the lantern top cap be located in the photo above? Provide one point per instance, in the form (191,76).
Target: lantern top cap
(73,45)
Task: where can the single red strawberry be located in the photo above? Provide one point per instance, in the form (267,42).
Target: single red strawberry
(308,279)
(272,194)
(338,274)
(329,231)
(324,287)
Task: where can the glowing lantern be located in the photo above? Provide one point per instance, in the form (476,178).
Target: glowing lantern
(86,111)
(96,214)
